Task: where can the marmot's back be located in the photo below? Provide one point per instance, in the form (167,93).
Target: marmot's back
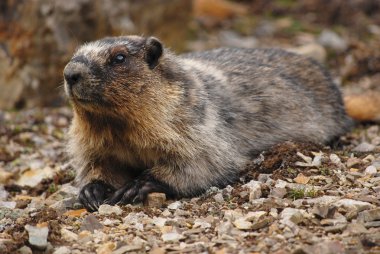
(271,95)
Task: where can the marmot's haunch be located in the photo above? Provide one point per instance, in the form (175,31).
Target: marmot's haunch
(146,120)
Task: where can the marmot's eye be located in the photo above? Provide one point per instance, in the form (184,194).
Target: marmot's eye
(119,58)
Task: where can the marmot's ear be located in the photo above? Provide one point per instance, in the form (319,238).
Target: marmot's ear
(153,51)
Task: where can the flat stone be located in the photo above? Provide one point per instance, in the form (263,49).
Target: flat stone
(38,235)
(68,235)
(332,40)
(219,197)
(353,162)
(291,216)
(155,199)
(108,210)
(335,228)
(301,179)
(175,205)
(260,224)
(321,210)
(242,224)
(356,229)
(255,216)
(372,224)
(159,221)
(354,204)
(278,192)
(171,237)
(370,170)
(369,215)
(325,247)
(91,223)
(364,148)
(33,177)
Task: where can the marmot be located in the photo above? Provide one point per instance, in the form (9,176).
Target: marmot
(147,120)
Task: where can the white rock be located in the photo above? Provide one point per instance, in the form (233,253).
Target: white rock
(219,198)
(281,184)
(255,216)
(364,147)
(33,177)
(291,216)
(8,204)
(242,224)
(108,210)
(335,159)
(68,235)
(199,223)
(323,200)
(332,40)
(38,236)
(62,250)
(254,189)
(312,50)
(24,250)
(370,170)
(354,204)
(159,221)
(171,237)
(175,205)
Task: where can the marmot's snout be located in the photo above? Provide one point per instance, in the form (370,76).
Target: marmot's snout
(77,75)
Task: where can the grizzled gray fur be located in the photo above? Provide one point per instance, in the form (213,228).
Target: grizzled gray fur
(146,120)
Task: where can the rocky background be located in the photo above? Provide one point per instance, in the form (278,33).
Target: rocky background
(294,198)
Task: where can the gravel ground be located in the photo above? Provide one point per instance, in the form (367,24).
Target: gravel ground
(294,198)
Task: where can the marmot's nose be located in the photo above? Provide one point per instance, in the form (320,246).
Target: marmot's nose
(71,76)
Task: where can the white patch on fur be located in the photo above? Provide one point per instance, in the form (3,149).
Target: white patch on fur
(208,68)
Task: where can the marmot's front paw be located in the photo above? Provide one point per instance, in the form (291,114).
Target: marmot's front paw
(138,190)
(93,195)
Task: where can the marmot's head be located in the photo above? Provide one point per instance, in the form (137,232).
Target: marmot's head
(114,72)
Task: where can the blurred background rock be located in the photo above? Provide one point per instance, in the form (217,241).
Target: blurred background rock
(38,37)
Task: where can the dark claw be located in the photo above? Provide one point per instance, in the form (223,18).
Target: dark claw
(93,195)
(137,191)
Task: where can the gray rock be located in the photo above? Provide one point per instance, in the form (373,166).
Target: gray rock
(219,198)
(64,204)
(332,40)
(232,39)
(38,236)
(354,204)
(364,147)
(372,224)
(321,210)
(108,210)
(335,228)
(355,229)
(278,192)
(370,170)
(175,205)
(254,189)
(91,223)
(369,215)
(325,247)
(291,216)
